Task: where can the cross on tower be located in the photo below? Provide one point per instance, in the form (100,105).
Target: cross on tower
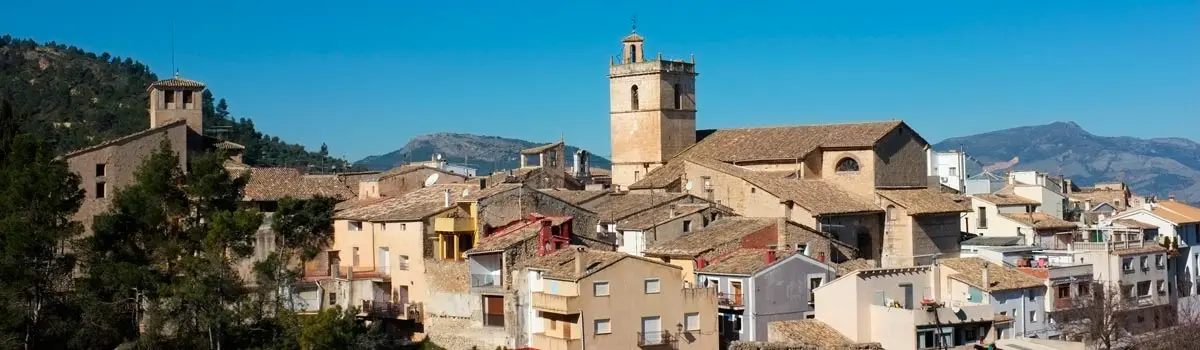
(634,21)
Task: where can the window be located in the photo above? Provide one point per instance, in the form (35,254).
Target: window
(633,55)
(982,213)
(809,316)
(1083,289)
(953,171)
(100,189)
(100,170)
(1159,261)
(603,326)
(891,213)
(553,324)
(1033,316)
(678,97)
(847,165)
(403,227)
(493,311)
(1064,291)
(600,288)
(169,96)
(332,298)
(813,283)
(383,226)
(633,97)
(691,321)
(1143,288)
(651,286)
(355,257)
(354,226)
(1162,287)
(1145,263)
(1127,265)
(737,323)
(403,262)
(687,226)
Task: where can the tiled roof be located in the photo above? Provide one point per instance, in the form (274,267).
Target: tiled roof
(127,138)
(542,148)
(632,38)
(1177,212)
(1131,223)
(269,184)
(744,261)
(787,142)
(491,190)
(619,205)
(970,271)
(811,332)
(510,236)
(229,145)
(1099,195)
(848,267)
(573,197)
(658,215)
(1040,221)
(662,176)
(357,203)
(561,263)
(1147,248)
(177,82)
(993,241)
(819,197)
(926,201)
(1006,196)
(718,232)
(412,206)
(408,168)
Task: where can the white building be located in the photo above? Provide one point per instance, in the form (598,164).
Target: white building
(950,168)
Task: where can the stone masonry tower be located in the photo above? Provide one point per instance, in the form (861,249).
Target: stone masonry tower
(652,110)
(174,99)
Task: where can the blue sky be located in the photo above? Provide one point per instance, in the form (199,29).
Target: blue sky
(364,76)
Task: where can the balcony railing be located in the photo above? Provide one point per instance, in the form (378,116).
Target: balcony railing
(454,224)
(730,299)
(653,338)
(385,309)
(484,280)
(555,303)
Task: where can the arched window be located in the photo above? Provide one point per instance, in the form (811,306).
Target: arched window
(633,53)
(847,164)
(891,212)
(633,98)
(678,97)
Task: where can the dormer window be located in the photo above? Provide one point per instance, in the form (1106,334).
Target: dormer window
(847,165)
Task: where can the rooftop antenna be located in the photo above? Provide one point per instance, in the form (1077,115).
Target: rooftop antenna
(634,22)
(173,68)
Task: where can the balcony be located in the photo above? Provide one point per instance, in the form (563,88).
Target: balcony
(732,300)
(386,309)
(454,225)
(543,341)
(482,280)
(652,339)
(559,304)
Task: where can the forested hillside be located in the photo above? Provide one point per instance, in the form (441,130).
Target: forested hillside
(73,98)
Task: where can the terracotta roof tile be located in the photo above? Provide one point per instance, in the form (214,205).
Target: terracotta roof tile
(491,190)
(848,267)
(177,82)
(661,177)
(561,263)
(1131,223)
(718,232)
(819,197)
(658,215)
(1177,212)
(620,205)
(787,142)
(513,235)
(542,148)
(229,145)
(1148,248)
(1040,221)
(970,271)
(127,138)
(269,184)
(810,332)
(744,261)
(926,201)
(1006,196)
(1100,195)
(573,197)
(412,206)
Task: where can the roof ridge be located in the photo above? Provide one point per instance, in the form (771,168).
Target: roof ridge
(813,125)
(132,136)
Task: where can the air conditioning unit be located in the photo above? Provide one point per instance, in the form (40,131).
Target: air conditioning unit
(944,179)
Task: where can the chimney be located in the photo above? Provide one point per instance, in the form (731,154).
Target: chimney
(447,195)
(781,223)
(1171,196)
(701,263)
(482,183)
(771,257)
(672,212)
(821,256)
(987,283)
(579,260)
(575,165)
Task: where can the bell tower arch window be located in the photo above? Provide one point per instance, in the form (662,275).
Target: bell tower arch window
(633,98)
(678,97)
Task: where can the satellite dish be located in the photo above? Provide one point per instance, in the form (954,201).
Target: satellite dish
(432,179)
(688,186)
(439,156)
(466,191)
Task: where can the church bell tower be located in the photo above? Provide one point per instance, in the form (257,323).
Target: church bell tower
(652,110)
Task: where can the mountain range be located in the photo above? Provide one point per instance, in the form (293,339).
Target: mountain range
(1156,166)
(484,153)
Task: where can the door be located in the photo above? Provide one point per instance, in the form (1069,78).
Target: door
(651,330)
(735,288)
(908,295)
(493,311)
(385,260)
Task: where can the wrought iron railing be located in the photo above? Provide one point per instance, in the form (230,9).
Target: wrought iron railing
(730,299)
(383,309)
(653,338)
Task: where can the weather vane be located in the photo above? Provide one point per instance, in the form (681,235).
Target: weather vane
(634,21)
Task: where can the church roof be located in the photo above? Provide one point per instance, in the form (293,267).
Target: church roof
(633,38)
(177,82)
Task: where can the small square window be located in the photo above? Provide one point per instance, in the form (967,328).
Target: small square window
(1159,261)
(1145,263)
(332,298)
(403,227)
(354,226)
(603,326)
(101,189)
(1033,316)
(383,226)
(691,321)
(687,226)
(1127,265)
(652,286)
(100,170)
(600,288)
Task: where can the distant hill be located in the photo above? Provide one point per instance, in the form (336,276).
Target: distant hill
(75,98)
(485,153)
(1159,166)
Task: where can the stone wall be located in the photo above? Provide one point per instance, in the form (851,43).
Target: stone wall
(935,234)
(740,345)
(505,207)
(900,159)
